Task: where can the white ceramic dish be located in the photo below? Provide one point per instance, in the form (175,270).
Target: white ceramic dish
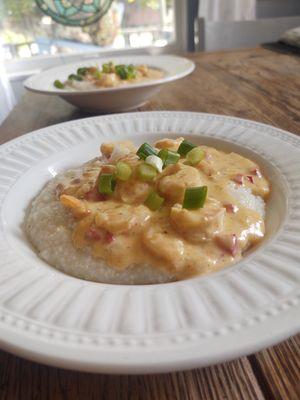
(60,320)
(122,98)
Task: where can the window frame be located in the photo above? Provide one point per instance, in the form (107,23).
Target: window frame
(17,68)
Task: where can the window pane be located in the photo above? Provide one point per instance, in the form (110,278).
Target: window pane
(25,31)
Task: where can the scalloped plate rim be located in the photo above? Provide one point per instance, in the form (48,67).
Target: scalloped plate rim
(41,349)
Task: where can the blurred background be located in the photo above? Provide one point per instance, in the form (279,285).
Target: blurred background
(33,39)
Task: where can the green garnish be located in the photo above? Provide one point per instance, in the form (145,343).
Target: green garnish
(126,72)
(195,156)
(58,84)
(74,77)
(106,184)
(194,197)
(82,71)
(108,68)
(185,147)
(168,157)
(154,201)
(124,171)
(97,74)
(146,172)
(146,150)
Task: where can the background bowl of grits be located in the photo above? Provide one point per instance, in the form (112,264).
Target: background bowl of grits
(112,99)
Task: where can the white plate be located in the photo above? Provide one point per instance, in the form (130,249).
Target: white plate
(112,99)
(60,320)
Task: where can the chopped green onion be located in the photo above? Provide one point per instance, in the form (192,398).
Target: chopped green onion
(185,147)
(106,184)
(195,156)
(97,74)
(82,71)
(126,71)
(108,67)
(194,197)
(74,77)
(146,150)
(58,84)
(124,171)
(168,157)
(155,161)
(146,172)
(154,201)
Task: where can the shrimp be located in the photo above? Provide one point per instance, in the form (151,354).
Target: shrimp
(78,207)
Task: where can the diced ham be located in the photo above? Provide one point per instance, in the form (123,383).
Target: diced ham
(94,195)
(238,178)
(250,178)
(228,242)
(256,172)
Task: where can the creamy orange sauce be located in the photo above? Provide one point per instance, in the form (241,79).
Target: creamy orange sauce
(122,231)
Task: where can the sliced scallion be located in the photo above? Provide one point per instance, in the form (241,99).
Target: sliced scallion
(106,184)
(154,201)
(194,197)
(195,156)
(168,157)
(124,171)
(146,172)
(108,67)
(125,71)
(146,150)
(97,74)
(155,161)
(58,84)
(185,147)
(82,71)
(74,77)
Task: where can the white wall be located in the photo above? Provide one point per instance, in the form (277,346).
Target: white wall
(238,34)
(277,8)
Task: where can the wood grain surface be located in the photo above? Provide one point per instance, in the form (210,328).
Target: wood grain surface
(257,84)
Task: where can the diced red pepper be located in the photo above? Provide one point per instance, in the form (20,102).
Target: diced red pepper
(109,237)
(94,234)
(250,178)
(231,208)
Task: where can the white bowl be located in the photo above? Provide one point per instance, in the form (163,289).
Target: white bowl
(60,320)
(114,99)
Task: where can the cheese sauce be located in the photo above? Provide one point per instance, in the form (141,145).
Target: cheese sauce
(122,231)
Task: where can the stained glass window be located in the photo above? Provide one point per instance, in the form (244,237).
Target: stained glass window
(26,31)
(74,13)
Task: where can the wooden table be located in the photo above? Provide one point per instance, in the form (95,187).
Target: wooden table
(256,84)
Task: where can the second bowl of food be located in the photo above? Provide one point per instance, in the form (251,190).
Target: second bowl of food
(110,85)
